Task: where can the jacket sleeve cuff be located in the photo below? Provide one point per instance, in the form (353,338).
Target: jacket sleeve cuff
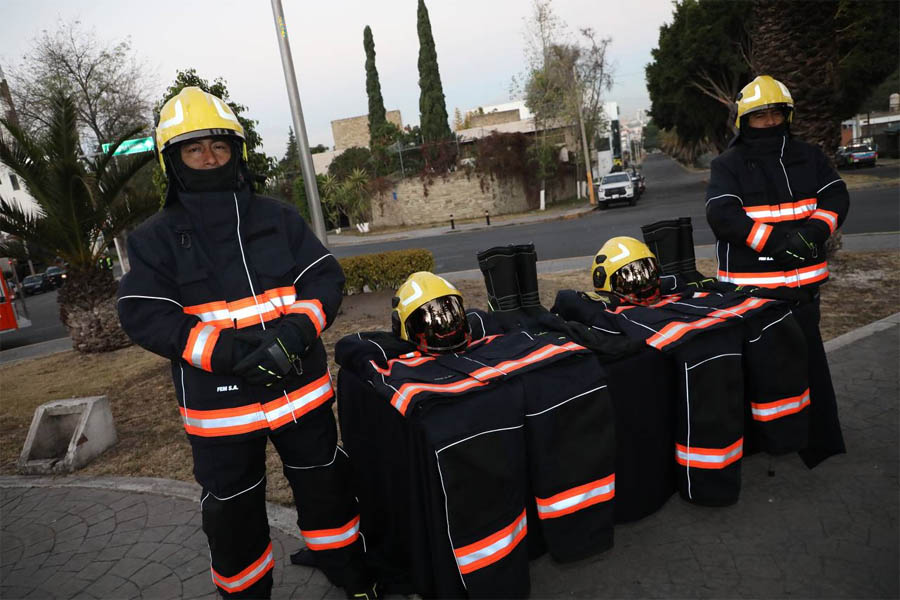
(821,224)
(222,355)
(759,235)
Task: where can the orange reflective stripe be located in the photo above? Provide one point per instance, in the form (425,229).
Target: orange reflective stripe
(769,411)
(576,498)
(312,309)
(793,278)
(708,458)
(402,396)
(327,539)
(788,211)
(675,331)
(248,576)
(830,218)
(224,421)
(407,362)
(271,304)
(759,234)
(492,548)
(200,345)
(281,297)
(214,313)
(283,410)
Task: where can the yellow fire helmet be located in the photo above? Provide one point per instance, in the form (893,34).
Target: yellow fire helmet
(193,113)
(428,311)
(762,93)
(625,267)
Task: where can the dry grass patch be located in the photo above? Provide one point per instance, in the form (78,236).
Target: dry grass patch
(864,287)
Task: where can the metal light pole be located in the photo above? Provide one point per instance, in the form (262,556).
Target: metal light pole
(306,163)
(587,152)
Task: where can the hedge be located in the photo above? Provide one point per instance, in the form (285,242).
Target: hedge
(385,270)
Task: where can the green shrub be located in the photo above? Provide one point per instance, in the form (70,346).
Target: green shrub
(385,270)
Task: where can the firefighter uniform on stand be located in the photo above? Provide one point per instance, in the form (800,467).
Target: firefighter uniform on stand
(704,333)
(235,290)
(772,203)
(520,431)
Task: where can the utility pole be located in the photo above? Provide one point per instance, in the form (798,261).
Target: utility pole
(587,154)
(306,163)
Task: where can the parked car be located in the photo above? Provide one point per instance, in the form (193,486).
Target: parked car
(35,284)
(616,187)
(856,155)
(57,276)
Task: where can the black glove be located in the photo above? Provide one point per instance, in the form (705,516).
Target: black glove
(799,244)
(269,360)
(781,252)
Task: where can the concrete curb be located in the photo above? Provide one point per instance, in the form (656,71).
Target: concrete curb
(280,517)
(862,332)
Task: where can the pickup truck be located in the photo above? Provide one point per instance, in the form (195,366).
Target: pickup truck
(616,187)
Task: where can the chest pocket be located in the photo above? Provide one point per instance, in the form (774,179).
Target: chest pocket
(195,286)
(269,257)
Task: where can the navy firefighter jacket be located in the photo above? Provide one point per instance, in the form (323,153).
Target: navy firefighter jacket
(209,264)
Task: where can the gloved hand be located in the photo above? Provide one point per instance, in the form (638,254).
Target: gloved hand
(267,360)
(781,252)
(799,244)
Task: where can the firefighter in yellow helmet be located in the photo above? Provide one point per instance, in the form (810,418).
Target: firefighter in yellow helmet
(428,311)
(772,202)
(236,291)
(625,268)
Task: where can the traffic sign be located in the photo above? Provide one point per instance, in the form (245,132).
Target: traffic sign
(132,146)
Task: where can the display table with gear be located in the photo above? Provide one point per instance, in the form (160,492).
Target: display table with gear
(609,419)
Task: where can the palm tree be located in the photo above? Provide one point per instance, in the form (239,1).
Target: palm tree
(83,204)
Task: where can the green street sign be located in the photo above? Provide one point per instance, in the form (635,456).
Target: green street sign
(132,146)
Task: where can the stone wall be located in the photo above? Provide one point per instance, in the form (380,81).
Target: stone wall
(354,131)
(494,118)
(461,195)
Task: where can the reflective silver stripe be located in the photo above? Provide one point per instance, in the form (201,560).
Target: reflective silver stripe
(282,301)
(331,539)
(768,213)
(221,314)
(831,219)
(284,409)
(200,344)
(248,577)
(576,499)
(807,275)
(497,546)
(252,311)
(311,306)
(710,459)
(790,406)
(761,231)
(215,422)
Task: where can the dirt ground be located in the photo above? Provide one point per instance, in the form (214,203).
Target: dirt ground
(864,287)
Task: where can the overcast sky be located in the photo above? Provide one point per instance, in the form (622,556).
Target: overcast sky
(480,46)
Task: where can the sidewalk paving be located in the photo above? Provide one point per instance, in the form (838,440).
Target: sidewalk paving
(829,532)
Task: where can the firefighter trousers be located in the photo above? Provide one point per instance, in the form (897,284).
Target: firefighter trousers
(233,506)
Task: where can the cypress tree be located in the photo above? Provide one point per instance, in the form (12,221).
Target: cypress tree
(377,116)
(432,106)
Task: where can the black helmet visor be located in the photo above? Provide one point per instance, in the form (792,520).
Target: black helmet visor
(439,325)
(638,280)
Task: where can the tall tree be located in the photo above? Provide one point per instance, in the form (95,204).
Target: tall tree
(829,53)
(290,162)
(260,164)
(698,68)
(373,88)
(84,203)
(106,81)
(432,105)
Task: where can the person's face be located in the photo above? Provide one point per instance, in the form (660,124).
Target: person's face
(770,117)
(205,153)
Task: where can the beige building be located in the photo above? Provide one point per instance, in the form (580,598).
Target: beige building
(354,131)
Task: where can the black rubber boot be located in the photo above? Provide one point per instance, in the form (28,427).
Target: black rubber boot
(687,261)
(498,265)
(526,271)
(663,239)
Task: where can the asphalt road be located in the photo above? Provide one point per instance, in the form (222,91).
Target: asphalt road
(671,192)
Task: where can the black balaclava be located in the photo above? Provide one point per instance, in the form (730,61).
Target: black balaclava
(228,177)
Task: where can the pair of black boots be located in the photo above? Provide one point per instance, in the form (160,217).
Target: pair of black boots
(672,241)
(510,276)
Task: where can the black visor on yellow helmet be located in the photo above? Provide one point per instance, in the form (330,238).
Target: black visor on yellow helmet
(638,281)
(439,325)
